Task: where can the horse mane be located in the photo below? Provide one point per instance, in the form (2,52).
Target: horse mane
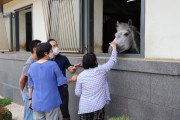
(136,39)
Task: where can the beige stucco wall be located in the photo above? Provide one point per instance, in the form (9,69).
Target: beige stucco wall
(162,29)
(37,15)
(98,25)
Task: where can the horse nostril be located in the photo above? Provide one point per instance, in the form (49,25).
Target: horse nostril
(126,34)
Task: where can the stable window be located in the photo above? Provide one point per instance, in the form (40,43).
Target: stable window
(107,13)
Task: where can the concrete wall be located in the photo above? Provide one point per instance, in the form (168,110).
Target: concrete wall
(10,70)
(162,29)
(141,89)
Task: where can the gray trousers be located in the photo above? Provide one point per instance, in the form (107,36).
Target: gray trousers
(51,115)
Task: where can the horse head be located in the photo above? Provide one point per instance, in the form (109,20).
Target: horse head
(127,38)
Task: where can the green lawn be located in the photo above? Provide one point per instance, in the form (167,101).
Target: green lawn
(4,102)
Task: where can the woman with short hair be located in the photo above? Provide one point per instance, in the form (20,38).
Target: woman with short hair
(44,77)
(92,87)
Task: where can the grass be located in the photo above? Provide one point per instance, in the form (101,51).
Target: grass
(4,102)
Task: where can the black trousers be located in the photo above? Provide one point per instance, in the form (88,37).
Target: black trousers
(63,90)
(97,115)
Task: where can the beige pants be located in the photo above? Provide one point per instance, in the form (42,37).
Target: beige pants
(51,115)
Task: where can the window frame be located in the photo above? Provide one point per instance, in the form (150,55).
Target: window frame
(16,16)
(90,31)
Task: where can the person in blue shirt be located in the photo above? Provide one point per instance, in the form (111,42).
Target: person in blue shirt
(44,77)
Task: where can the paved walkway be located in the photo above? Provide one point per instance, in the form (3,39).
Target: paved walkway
(16,110)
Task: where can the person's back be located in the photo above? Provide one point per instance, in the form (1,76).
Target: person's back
(44,77)
(44,90)
(92,87)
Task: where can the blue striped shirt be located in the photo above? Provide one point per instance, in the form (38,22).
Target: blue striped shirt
(92,86)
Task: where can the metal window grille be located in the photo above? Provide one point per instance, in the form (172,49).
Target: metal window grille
(62,20)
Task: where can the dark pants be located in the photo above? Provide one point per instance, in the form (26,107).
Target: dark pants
(97,115)
(65,101)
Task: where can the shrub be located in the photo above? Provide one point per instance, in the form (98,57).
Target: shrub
(5,114)
(4,102)
(119,118)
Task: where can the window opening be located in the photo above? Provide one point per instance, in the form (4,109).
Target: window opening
(106,15)
(23,28)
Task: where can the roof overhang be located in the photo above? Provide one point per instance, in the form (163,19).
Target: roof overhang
(4,1)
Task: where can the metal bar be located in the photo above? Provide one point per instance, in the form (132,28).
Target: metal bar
(71,35)
(59,22)
(63,24)
(66,24)
(1,8)
(90,28)
(73,22)
(81,26)
(53,22)
(142,29)
(54,11)
(11,31)
(49,18)
(61,32)
(44,3)
(17,30)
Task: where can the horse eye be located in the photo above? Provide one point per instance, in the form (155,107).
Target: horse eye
(126,34)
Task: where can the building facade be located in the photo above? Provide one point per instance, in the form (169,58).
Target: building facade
(144,86)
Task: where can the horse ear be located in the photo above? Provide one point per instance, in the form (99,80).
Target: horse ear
(129,22)
(117,23)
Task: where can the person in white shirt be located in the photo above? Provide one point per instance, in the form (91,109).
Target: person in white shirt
(92,87)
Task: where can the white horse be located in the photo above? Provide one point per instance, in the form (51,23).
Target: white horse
(127,38)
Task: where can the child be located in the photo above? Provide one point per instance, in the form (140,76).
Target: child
(92,87)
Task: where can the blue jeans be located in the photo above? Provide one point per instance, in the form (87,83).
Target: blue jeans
(28,113)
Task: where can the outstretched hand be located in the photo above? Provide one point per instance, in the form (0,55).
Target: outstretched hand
(76,66)
(113,45)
